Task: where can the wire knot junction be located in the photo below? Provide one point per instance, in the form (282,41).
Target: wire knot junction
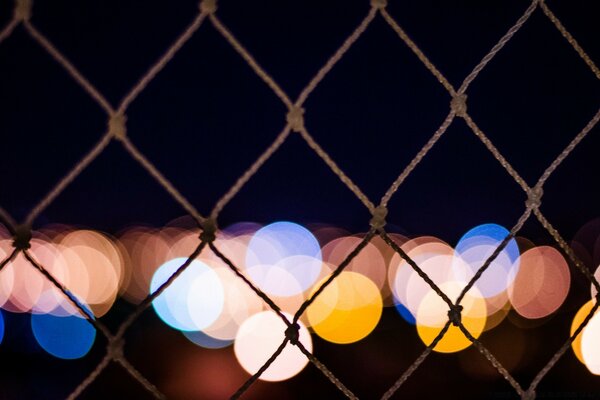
(529,394)
(455,315)
(378,220)
(23,10)
(116,126)
(295,118)
(458,104)
(22,237)
(114,349)
(209,230)
(379,3)
(208,6)
(534,197)
(292,333)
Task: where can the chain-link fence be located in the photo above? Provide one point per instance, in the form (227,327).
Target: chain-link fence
(116,130)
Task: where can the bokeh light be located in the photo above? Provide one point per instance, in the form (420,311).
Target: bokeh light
(590,345)
(7,275)
(597,276)
(433,257)
(146,250)
(2,326)
(67,337)
(283,259)
(213,308)
(405,313)
(193,301)
(439,269)
(239,303)
(396,262)
(582,313)
(22,283)
(51,299)
(387,252)
(475,248)
(433,315)
(369,262)
(259,337)
(347,310)
(201,339)
(496,317)
(96,255)
(541,284)
(586,243)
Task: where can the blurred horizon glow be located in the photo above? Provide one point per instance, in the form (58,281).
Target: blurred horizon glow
(213,308)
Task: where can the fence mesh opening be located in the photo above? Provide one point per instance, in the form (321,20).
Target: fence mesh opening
(240,105)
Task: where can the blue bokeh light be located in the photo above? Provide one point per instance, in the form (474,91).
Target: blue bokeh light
(494,233)
(477,246)
(201,339)
(405,313)
(67,337)
(284,258)
(191,302)
(1,326)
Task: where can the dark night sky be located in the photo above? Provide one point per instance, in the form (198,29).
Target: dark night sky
(206,117)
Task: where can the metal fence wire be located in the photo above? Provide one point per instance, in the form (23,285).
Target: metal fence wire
(116,130)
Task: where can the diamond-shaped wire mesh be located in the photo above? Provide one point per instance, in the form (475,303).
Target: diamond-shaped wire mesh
(116,130)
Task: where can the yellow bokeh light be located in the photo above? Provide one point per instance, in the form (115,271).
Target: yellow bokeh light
(347,310)
(590,348)
(496,317)
(579,317)
(433,315)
